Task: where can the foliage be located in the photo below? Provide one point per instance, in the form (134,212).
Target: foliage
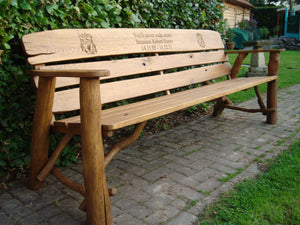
(243,24)
(19,17)
(229,34)
(266,17)
(249,26)
(271,199)
(264,32)
(180,14)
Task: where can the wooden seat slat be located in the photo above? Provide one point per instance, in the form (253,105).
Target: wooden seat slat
(110,92)
(126,115)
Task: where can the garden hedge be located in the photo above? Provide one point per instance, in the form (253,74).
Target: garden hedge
(19,17)
(266,17)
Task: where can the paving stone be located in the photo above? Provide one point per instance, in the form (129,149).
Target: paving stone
(5,220)
(71,207)
(40,216)
(185,170)
(15,208)
(180,191)
(140,212)
(205,174)
(209,185)
(184,218)
(155,164)
(157,174)
(179,204)
(126,219)
(64,219)
(184,180)
(161,215)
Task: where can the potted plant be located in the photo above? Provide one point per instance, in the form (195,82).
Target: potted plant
(229,36)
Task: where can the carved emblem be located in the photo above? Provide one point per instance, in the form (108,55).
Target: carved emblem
(200,40)
(87,44)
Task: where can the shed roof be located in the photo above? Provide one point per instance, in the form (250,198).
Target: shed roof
(243,3)
(296,7)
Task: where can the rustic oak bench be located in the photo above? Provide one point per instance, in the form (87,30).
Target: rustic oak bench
(159,71)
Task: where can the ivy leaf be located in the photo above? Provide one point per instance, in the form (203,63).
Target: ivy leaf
(135,19)
(105,24)
(25,6)
(51,7)
(14,3)
(88,9)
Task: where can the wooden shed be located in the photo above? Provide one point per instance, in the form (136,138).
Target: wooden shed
(236,11)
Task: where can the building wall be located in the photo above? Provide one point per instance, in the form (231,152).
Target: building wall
(234,14)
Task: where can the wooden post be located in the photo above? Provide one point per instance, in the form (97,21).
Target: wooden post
(41,129)
(237,64)
(97,196)
(273,68)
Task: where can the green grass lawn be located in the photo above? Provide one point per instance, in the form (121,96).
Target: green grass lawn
(273,198)
(289,73)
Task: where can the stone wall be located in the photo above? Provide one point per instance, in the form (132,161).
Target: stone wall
(289,43)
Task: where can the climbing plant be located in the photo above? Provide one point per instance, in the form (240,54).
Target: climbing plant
(19,17)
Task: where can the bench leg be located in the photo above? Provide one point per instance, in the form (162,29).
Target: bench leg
(97,196)
(273,69)
(41,130)
(272,102)
(220,106)
(218,109)
(124,143)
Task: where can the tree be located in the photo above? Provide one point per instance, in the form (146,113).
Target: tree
(258,2)
(289,3)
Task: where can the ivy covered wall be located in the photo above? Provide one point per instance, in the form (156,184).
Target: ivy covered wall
(19,17)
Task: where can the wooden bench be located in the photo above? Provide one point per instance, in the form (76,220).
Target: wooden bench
(159,71)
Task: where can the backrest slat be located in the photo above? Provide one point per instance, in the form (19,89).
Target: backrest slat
(114,91)
(71,44)
(132,66)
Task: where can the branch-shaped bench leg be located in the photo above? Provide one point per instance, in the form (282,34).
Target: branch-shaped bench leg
(97,196)
(124,143)
(53,158)
(41,129)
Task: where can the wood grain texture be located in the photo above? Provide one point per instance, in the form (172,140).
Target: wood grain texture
(137,112)
(68,100)
(78,72)
(70,44)
(41,130)
(139,65)
(273,70)
(97,196)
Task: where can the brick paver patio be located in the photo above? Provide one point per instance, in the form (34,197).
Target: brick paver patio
(169,177)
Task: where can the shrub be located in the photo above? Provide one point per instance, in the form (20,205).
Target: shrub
(19,17)
(264,32)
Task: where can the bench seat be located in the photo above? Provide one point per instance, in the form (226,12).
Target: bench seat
(130,114)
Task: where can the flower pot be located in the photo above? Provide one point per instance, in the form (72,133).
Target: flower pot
(230,45)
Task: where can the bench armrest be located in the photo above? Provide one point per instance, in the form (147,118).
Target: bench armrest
(254,51)
(243,53)
(70,73)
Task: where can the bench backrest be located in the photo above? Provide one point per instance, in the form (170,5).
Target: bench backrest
(141,61)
